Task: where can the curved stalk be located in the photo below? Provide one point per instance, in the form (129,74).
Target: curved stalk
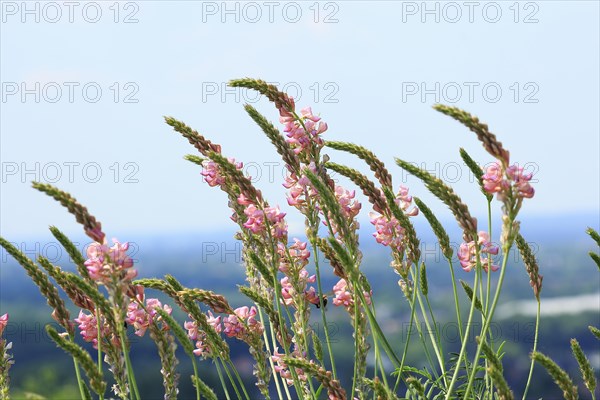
(490,315)
(535,342)
(463,346)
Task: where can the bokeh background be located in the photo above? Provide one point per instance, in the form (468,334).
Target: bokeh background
(85,86)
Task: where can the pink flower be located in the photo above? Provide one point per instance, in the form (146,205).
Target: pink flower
(282,369)
(141,319)
(493,181)
(299,252)
(3,322)
(202,347)
(388,232)
(510,181)
(404,200)
(192,329)
(467,253)
(212,173)
(287,291)
(256,220)
(343,297)
(304,133)
(104,262)
(350,207)
(520,181)
(234,326)
(88,327)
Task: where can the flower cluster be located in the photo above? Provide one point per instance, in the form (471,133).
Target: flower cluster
(88,327)
(509,182)
(388,230)
(212,174)
(256,220)
(288,292)
(282,369)
(343,297)
(300,188)
(303,132)
(202,346)
(3,322)
(141,318)
(105,262)
(467,253)
(242,323)
(298,256)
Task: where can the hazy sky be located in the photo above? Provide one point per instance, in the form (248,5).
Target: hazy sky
(85,86)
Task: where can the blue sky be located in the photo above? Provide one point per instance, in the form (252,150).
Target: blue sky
(371,69)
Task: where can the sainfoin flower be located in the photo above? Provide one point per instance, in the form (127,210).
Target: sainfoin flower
(282,369)
(388,230)
(88,327)
(512,181)
(212,173)
(141,318)
(235,324)
(343,297)
(467,253)
(105,262)
(202,346)
(288,292)
(3,322)
(257,224)
(303,133)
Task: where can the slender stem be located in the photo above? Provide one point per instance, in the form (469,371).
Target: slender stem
(239,379)
(99,340)
(196,376)
(322,308)
(463,346)
(456,300)
(268,347)
(432,338)
(79,381)
(223,384)
(410,325)
(130,374)
(535,342)
(356,338)
(439,338)
(490,315)
(231,380)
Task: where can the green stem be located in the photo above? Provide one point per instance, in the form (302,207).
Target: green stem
(196,376)
(223,384)
(322,308)
(463,346)
(79,381)
(432,338)
(356,338)
(410,325)
(535,342)
(268,348)
(98,329)
(237,376)
(130,374)
(490,315)
(231,380)
(456,300)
